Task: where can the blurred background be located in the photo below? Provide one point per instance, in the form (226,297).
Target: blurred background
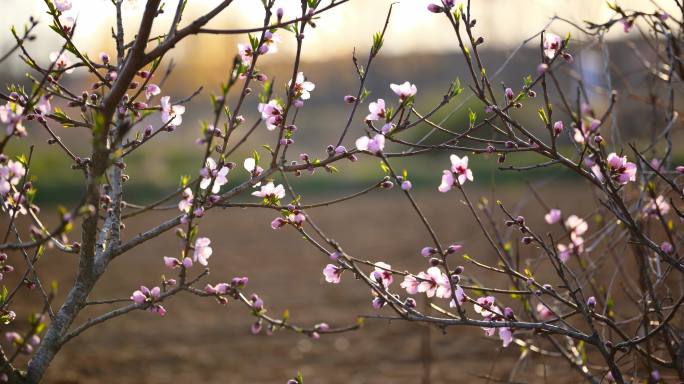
(201,341)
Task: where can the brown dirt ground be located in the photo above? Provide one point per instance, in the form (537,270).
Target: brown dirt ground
(200,341)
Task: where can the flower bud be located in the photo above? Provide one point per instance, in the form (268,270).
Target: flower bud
(453,248)
(428,251)
(591,302)
(434,8)
(349,99)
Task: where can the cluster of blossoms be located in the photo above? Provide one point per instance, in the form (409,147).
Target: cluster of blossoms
(621,170)
(221,289)
(378,111)
(272,113)
(489,311)
(292,216)
(12,114)
(657,206)
(433,282)
(24,345)
(150,297)
(11,173)
(576,226)
(270,45)
(4,267)
(212,172)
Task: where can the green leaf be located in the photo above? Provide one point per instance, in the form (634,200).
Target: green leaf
(542,116)
(377,43)
(456,88)
(384,167)
(472,116)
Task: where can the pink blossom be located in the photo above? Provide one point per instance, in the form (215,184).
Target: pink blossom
(506,336)
(460,296)
(302,88)
(152,90)
(252,167)
(485,307)
(544,312)
(62,5)
(404,90)
(142,295)
(332,273)
(459,166)
(272,113)
(575,247)
(434,283)
(627,24)
(271,41)
(576,225)
(659,205)
(269,191)
(383,273)
(186,202)
(172,262)
(61,62)
(623,171)
(171,114)
(210,171)
(410,284)
(553,217)
(552,44)
(202,250)
(246,53)
(377,110)
(374,145)
(447,181)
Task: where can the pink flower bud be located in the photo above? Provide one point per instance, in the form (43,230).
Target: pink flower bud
(428,251)
(434,8)
(349,99)
(558,127)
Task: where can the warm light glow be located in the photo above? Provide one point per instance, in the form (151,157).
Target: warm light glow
(505,23)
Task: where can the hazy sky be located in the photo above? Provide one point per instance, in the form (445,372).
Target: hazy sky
(503,23)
